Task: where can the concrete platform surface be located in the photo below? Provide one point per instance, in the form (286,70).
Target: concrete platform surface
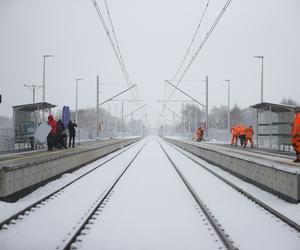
(270,171)
(21,173)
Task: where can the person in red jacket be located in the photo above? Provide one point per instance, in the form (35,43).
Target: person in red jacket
(296,134)
(51,137)
(249,136)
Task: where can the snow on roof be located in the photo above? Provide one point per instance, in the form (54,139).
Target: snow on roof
(277,108)
(34,106)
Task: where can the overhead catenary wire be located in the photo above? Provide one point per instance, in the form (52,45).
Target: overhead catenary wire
(116,49)
(213,26)
(192,42)
(187,52)
(116,41)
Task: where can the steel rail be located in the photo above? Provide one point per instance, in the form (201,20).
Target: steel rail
(73,237)
(245,193)
(217,227)
(28,208)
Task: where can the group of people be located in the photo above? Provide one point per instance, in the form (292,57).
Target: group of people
(58,135)
(199,134)
(245,134)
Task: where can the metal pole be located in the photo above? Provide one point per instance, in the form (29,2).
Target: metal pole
(44,76)
(76,109)
(108,119)
(257,127)
(131,126)
(270,109)
(33,94)
(228,125)
(189,124)
(206,108)
(228,106)
(122,125)
(262,79)
(116,115)
(97,108)
(44,72)
(182,119)
(142,127)
(173,124)
(196,123)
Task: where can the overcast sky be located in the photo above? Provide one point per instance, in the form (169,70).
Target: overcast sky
(153,37)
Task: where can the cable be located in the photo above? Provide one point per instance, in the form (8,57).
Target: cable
(116,50)
(190,46)
(200,47)
(116,40)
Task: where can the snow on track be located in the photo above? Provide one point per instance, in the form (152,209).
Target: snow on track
(150,209)
(249,226)
(46,226)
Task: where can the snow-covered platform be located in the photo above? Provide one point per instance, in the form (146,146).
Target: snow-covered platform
(21,173)
(273,172)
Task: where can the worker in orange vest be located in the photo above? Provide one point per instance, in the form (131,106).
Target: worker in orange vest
(242,135)
(199,134)
(296,134)
(249,136)
(235,134)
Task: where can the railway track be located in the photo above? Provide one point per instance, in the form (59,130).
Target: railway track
(71,238)
(75,236)
(263,205)
(24,211)
(207,220)
(280,221)
(211,218)
(80,220)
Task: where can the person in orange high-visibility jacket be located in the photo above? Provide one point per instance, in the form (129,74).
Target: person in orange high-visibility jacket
(242,135)
(234,135)
(199,134)
(296,134)
(249,136)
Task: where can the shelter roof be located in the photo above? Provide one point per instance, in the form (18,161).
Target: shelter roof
(34,106)
(277,108)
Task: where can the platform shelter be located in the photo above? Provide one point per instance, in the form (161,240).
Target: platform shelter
(274,125)
(26,119)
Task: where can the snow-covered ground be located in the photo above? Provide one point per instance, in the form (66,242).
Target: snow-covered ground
(46,226)
(272,161)
(8,209)
(250,226)
(150,208)
(290,210)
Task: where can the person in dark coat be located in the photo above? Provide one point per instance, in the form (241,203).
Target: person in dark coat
(72,133)
(59,135)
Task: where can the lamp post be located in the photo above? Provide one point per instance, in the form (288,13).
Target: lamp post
(228,122)
(76,110)
(44,75)
(262,78)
